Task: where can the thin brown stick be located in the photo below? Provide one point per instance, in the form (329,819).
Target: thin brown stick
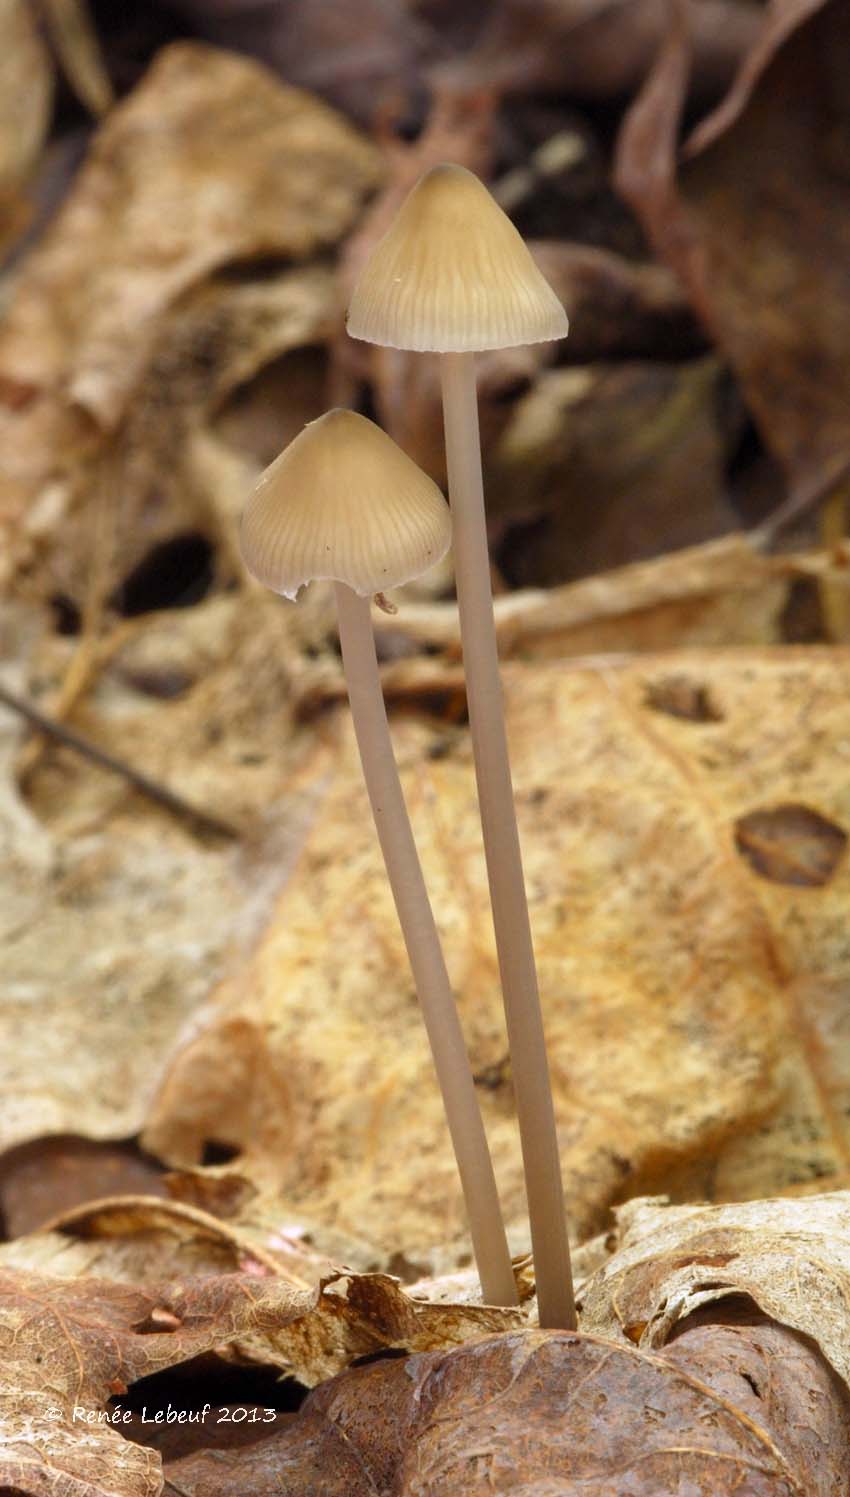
(84,662)
(160,794)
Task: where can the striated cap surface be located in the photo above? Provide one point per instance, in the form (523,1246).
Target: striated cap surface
(342,501)
(452,275)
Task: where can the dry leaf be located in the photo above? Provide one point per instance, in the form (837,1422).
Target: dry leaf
(724,592)
(49,1175)
(363,60)
(209,161)
(26,99)
(617,306)
(67,1346)
(692,1007)
(728,1402)
(593,49)
(85,1028)
(597,460)
(173,1251)
(724,1411)
(757,226)
(790,1258)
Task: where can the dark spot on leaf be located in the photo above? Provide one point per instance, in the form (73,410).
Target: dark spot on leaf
(215,1151)
(448,705)
(493,1076)
(790,844)
(748,1378)
(175,574)
(440,748)
(801,620)
(679,696)
(406,1269)
(66,614)
(165,683)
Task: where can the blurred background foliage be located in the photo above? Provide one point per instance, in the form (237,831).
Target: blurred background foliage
(181,230)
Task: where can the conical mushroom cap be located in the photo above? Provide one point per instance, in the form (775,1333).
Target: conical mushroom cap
(452,275)
(342,501)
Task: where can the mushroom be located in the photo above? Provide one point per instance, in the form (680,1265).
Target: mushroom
(453,276)
(343,502)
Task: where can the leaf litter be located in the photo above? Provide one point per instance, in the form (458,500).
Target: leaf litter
(683,812)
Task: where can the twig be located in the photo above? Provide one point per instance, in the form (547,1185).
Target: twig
(803,497)
(84,661)
(160,794)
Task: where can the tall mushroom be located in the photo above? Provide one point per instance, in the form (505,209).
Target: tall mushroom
(453,276)
(343,502)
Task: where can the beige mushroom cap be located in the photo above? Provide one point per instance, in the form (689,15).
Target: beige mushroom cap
(452,275)
(342,501)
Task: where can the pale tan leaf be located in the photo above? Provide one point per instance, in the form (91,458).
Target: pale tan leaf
(689,1002)
(210,160)
(75,39)
(790,1257)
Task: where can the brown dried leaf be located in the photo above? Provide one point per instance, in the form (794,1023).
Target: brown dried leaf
(693,1008)
(210,160)
(84,1029)
(757,226)
(147,1243)
(26,98)
(138,1239)
(363,60)
(67,1345)
(596,49)
(617,306)
(791,1258)
(599,457)
(723,1411)
(49,1175)
(179,473)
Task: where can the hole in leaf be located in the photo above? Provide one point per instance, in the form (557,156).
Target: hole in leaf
(175,574)
(681,697)
(790,844)
(189,1387)
(66,614)
(216,1151)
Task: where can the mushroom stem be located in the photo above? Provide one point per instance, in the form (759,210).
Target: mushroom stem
(535,1110)
(423,947)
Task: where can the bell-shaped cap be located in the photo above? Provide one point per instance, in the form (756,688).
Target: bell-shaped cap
(452,275)
(342,501)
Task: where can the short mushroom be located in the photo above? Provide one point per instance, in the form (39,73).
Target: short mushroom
(343,502)
(453,276)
